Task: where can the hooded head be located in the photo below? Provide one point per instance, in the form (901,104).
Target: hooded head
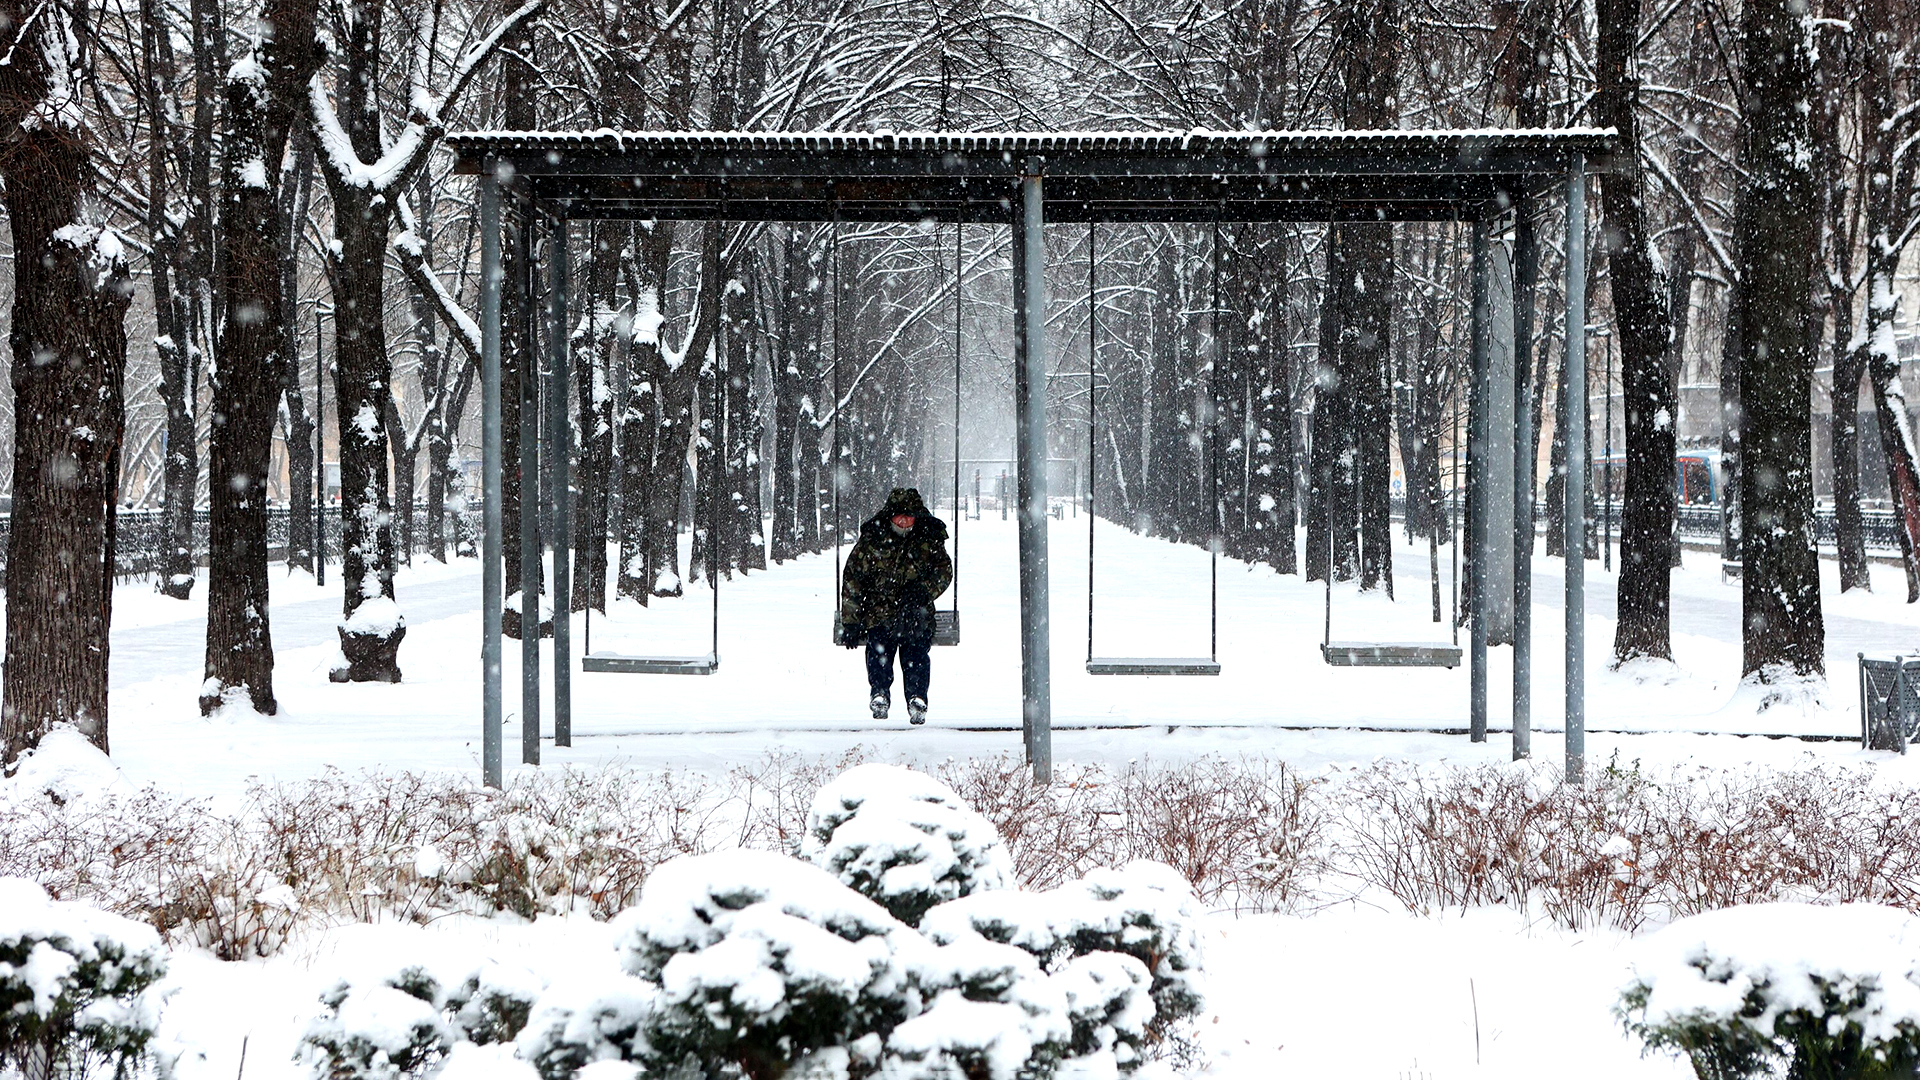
(905,501)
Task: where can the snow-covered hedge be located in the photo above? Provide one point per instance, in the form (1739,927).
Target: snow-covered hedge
(581,1022)
(76,983)
(775,967)
(761,961)
(1143,911)
(1816,991)
(903,840)
(405,1019)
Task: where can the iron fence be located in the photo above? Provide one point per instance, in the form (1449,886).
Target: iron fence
(140,546)
(1880,529)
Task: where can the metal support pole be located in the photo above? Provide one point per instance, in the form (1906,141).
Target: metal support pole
(560,449)
(491,584)
(1030,424)
(1479,423)
(1526,277)
(1576,493)
(529,391)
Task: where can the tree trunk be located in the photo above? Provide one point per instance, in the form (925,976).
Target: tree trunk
(1272,467)
(1228,326)
(435,373)
(1328,447)
(519,113)
(173,318)
(1889,163)
(299,425)
(405,454)
(658,415)
(1897,443)
(250,373)
(747,539)
(709,556)
(783,365)
(369,646)
(596,350)
(363,376)
(71,292)
(1849,367)
(1880,356)
(1784,634)
(1640,311)
(1164,442)
(1732,513)
(1367,353)
(1849,363)
(1372,78)
(811,478)
(451,484)
(1556,486)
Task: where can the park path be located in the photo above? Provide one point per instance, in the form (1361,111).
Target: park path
(154,650)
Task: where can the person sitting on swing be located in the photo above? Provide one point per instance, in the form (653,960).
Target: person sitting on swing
(896,570)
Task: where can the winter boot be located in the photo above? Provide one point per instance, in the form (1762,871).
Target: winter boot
(881,704)
(917,710)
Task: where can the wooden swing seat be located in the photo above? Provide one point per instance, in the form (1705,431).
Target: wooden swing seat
(1389,654)
(614,664)
(946,628)
(1152,665)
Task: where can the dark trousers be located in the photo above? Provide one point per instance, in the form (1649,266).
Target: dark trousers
(915,662)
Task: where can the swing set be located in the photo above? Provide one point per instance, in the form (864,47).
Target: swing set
(1023,182)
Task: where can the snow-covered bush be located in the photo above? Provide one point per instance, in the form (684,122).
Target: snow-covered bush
(904,840)
(761,960)
(1819,991)
(1147,911)
(1110,1004)
(759,964)
(1142,911)
(404,1020)
(76,983)
(978,1040)
(989,1012)
(582,1022)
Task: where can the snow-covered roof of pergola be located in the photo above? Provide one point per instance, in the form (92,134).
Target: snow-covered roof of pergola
(1091,176)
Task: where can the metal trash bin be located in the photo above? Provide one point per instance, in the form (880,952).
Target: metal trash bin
(1889,702)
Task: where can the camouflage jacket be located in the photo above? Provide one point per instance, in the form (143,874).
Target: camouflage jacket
(891,580)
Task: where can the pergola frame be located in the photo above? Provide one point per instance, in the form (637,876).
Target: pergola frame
(1022,181)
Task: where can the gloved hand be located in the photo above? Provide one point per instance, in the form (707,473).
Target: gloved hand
(853,637)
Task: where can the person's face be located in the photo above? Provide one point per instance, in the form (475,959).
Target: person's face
(903,522)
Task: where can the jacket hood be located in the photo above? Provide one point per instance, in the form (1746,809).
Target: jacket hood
(905,501)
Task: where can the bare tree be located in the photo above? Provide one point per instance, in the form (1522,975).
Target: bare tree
(369,171)
(1641,313)
(1784,633)
(1890,130)
(69,356)
(261,105)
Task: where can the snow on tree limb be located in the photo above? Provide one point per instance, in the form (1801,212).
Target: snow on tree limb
(407,153)
(406,245)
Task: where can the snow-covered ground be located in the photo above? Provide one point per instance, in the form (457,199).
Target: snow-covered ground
(1352,991)
(782,685)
